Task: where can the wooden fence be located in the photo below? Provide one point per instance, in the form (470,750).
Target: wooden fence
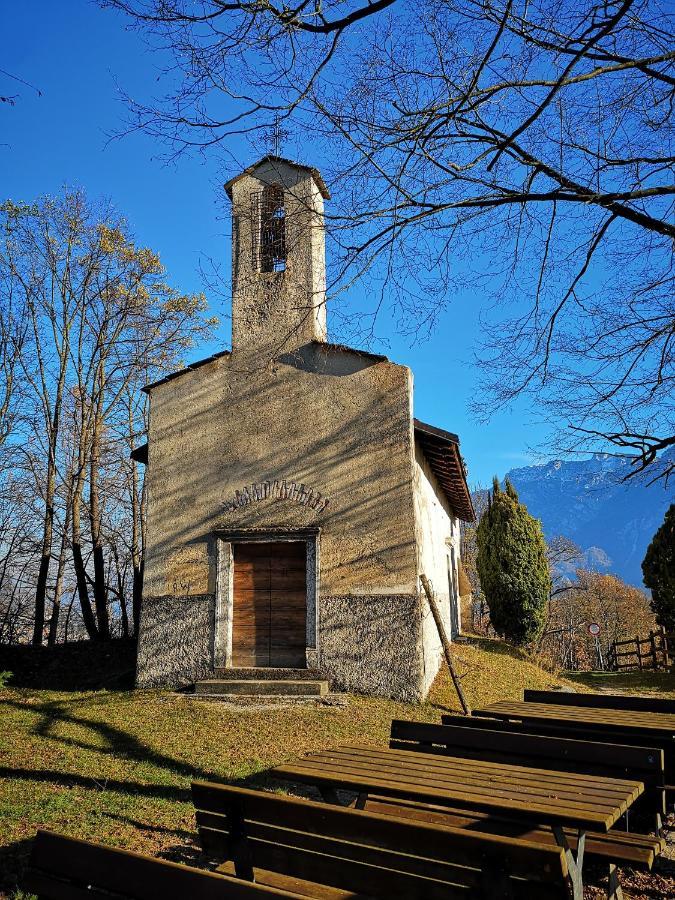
(652,652)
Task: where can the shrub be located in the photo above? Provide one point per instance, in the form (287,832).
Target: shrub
(658,571)
(513,567)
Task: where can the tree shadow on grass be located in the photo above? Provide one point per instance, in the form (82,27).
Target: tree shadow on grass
(117,742)
(496,647)
(121,744)
(69,780)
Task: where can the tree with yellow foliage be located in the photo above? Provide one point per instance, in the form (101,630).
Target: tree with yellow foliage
(98,319)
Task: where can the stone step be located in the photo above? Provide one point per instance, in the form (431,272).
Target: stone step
(262,688)
(260,673)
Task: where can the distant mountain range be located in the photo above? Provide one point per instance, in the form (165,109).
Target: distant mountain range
(586,501)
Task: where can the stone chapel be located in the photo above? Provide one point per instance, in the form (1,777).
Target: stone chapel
(293,499)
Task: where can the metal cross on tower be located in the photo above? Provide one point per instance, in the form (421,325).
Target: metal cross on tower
(276,136)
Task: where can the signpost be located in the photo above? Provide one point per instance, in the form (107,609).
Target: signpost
(594,630)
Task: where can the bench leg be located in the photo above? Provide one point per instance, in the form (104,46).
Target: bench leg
(574,864)
(614,891)
(240,849)
(496,884)
(330,795)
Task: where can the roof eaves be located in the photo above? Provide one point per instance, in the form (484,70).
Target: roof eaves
(343,348)
(320,183)
(441,448)
(438,433)
(140,454)
(195,365)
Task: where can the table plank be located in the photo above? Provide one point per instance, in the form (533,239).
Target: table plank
(473,771)
(662,724)
(506,794)
(585,801)
(540,812)
(412,763)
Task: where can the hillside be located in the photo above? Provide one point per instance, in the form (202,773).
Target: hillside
(586,500)
(116,766)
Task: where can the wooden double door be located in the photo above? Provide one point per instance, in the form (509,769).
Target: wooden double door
(269,624)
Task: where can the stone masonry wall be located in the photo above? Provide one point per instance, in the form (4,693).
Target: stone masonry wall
(369,645)
(176,640)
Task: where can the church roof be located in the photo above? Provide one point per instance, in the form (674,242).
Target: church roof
(441,449)
(316,175)
(376,357)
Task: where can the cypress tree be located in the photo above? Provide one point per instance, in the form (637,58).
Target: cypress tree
(658,571)
(512,567)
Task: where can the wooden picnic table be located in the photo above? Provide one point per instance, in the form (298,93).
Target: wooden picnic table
(582,802)
(659,725)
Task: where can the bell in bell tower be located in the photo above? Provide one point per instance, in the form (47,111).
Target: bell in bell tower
(278,257)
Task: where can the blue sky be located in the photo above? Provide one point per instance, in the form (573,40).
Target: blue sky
(78,55)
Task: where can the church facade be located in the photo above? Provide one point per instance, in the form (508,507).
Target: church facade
(293,499)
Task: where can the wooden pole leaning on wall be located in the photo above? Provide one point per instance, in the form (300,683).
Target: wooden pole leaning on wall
(440,626)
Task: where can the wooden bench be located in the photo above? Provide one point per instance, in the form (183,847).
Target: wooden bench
(501,745)
(63,868)
(325,851)
(601,701)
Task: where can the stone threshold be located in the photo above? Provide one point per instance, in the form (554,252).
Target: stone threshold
(260,673)
(264,701)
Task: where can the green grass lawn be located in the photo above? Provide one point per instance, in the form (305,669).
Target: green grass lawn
(116,766)
(657,683)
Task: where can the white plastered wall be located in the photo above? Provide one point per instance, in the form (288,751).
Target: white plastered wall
(437,537)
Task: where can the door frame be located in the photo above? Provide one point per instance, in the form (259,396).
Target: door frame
(224,606)
(453,593)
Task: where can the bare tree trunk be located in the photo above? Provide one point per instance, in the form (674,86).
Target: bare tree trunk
(52,417)
(78,561)
(100,592)
(60,572)
(121,593)
(68,614)
(47,528)
(137,597)
(137,532)
(45,553)
(48,523)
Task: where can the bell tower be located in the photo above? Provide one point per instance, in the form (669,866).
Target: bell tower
(278,257)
